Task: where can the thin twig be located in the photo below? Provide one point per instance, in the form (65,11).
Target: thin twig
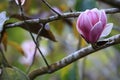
(47,4)
(73,57)
(22,14)
(45,60)
(39,32)
(33,60)
(37,40)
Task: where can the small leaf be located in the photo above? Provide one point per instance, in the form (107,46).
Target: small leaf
(16,46)
(35,27)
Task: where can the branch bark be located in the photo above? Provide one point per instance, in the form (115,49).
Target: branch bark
(73,57)
(56,17)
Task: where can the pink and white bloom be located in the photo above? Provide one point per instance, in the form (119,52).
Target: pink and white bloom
(92,25)
(28,47)
(21,2)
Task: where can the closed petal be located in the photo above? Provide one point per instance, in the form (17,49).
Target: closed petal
(103,18)
(95,10)
(93,16)
(107,30)
(95,32)
(102,15)
(83,24)
(78,24)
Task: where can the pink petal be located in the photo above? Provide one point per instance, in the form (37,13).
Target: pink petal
(84,25)
(107,30)
(103,18)
(95,32)
(102,15)
(93,16)
(95,10)
(86,11)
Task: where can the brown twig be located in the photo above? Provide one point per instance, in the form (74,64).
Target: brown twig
(47,4)
(56,17)
(73,57)
(24,20)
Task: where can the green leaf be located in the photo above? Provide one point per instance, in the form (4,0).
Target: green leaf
(12,74)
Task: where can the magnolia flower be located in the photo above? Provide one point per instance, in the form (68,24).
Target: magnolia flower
(3,18)
(92,25)
(21,2)
(29,49)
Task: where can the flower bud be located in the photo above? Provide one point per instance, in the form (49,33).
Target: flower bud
(92,25)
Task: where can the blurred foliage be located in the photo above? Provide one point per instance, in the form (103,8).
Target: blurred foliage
(102,65)
(12,74)
(82,5)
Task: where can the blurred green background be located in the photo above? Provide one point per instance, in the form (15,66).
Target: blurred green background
(102,65)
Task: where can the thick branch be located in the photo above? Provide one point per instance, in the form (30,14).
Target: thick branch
(56,17)
(73,57)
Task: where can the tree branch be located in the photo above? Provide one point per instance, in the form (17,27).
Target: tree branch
(47,4)
(56,17)
(73,57)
